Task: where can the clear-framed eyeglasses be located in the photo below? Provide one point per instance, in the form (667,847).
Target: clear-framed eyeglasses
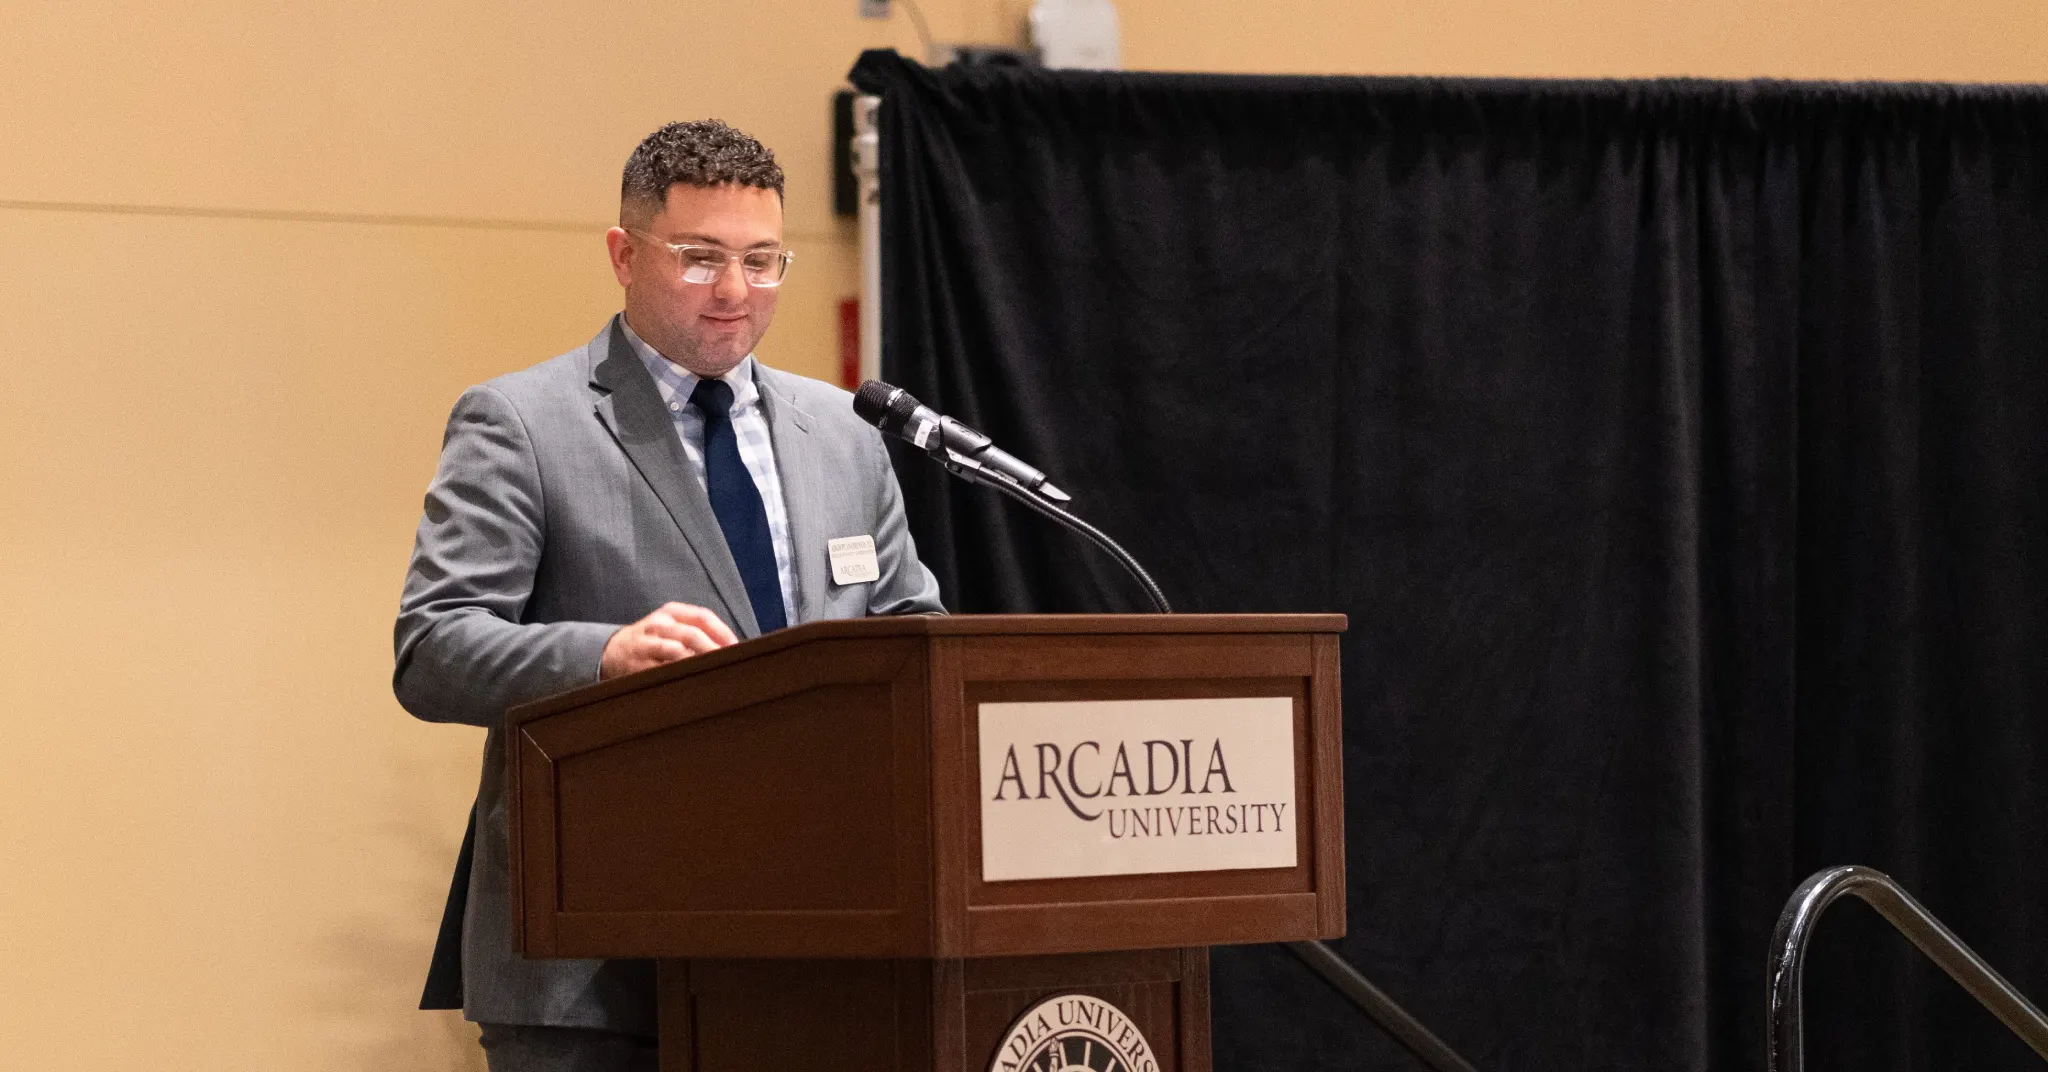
(705,264)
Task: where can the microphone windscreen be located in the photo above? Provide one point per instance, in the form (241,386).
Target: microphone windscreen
(902,407)
(871,402)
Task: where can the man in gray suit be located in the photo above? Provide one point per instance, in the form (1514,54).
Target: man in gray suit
(652,495)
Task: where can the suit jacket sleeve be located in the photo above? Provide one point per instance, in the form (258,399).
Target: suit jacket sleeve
(464,652)
(905,585)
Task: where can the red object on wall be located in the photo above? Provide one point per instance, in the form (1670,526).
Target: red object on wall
(849,343)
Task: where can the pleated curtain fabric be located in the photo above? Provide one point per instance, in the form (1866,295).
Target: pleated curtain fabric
(1679,450)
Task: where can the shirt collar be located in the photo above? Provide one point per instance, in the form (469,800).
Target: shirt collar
(678,382)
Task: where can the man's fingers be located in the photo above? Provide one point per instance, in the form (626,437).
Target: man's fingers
(639,647)
(690,637)
(657,650)
(703,620)
(718,629)
(674,631)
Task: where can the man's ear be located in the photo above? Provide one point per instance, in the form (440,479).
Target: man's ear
(619,246)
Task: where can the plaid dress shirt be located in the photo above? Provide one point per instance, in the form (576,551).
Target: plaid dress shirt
(750,432)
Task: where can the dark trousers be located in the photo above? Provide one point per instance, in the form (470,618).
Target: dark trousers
(528,1048)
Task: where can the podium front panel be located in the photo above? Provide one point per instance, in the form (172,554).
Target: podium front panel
(768,807)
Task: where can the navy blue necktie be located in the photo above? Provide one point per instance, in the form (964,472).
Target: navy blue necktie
(737,502)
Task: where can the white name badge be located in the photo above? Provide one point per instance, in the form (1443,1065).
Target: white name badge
(853,560)
(1134,787)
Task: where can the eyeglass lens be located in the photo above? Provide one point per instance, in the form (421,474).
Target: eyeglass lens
(705,264)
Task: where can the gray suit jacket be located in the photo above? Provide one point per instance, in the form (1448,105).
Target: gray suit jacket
(563,508)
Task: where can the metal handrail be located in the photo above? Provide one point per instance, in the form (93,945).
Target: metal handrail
(1374,1002)
(1876,889)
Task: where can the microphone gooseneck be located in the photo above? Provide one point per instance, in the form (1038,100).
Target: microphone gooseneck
(973,457)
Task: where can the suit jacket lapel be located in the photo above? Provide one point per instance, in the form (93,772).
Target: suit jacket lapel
(796,461)
(630,406)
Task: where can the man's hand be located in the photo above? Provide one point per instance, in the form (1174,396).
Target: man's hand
(674,631)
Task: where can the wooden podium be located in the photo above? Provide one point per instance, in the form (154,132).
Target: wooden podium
(793,828)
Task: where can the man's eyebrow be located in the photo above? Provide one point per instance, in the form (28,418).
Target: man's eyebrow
(707,240)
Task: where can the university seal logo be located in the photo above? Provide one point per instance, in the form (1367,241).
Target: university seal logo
(1074,1033)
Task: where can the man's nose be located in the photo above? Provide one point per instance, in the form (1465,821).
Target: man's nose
(732,283)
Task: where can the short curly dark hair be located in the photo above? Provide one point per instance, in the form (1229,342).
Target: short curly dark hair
(703,152)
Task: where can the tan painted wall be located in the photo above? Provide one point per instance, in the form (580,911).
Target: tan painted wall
(1967,40)
(249,253)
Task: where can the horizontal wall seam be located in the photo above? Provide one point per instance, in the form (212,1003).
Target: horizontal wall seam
(297,216)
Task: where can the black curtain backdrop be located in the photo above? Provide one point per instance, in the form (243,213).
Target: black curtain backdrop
(1676,448)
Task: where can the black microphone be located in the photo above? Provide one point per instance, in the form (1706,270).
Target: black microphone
(969,455)
(894,411)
